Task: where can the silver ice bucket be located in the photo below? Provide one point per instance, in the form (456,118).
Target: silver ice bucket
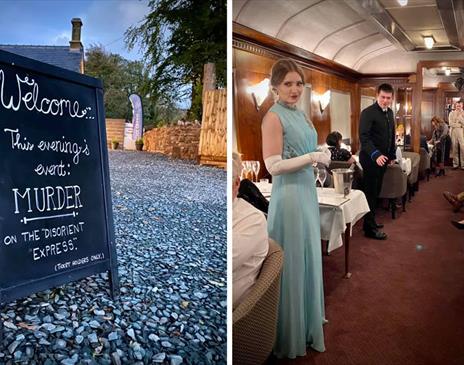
(342,180)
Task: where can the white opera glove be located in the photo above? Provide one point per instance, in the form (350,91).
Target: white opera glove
(277,166)
(321,157)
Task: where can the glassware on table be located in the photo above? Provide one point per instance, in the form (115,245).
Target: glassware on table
(322,175)
(255,165)
(246,169)
(316,172)
(250,169)
(243,172)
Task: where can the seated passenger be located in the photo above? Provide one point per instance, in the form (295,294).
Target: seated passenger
(250,243)
(250,192)
(334,141)
(456,200)
(423,141)
(459,225)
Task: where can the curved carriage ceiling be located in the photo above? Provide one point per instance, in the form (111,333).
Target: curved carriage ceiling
(434,76)
(375,36)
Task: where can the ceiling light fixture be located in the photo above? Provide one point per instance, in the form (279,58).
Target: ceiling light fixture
(429,41)
(402,2)
(448,72)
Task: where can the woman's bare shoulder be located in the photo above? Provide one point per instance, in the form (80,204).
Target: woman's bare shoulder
(271,119)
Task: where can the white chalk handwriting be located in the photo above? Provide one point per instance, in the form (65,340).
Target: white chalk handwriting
(58,145)
(28,97)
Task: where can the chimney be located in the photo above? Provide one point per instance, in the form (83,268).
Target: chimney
(75,43)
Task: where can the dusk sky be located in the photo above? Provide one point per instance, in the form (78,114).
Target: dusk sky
(48,22)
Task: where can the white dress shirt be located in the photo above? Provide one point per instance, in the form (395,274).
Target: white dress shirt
(250,246)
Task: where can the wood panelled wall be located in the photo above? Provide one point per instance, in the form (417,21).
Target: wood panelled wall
(428,110)
(251,64)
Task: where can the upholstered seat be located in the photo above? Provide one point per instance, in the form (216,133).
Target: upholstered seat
(255,318)
(424,165)
(394,186)
(413,178)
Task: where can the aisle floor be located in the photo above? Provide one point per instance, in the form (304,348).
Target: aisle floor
(404,303)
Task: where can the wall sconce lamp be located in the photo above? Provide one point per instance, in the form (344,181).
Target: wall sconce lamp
(259,92)
(429,41)
(323,100)
(398,107)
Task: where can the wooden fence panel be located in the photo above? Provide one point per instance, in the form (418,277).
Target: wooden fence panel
(213,136)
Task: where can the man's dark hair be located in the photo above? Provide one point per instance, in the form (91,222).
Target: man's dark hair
(333,138)
(385,88)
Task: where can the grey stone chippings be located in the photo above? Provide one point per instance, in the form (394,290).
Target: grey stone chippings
(159,357)
(113,336)
(93,338)
(10,325)
(171,226)
(175,360)
(116,358)
(60,344)
(70,360)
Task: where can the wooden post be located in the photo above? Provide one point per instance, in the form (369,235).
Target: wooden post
(355,115)
(209,77)
(416,99)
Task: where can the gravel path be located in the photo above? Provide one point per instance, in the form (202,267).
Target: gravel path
(171,223)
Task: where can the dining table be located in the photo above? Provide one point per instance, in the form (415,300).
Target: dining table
(338,214)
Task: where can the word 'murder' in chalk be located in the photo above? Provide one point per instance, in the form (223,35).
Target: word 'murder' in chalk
(56,222)
(47,198)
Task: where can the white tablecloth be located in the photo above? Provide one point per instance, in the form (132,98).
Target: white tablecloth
(334,218)
(406,165)
(335,211)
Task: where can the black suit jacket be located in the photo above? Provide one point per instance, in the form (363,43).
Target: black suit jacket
(377,133)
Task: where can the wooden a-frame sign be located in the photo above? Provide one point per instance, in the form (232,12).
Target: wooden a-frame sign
(56,222)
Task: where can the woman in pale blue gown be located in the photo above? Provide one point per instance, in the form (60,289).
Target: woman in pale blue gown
(289,150)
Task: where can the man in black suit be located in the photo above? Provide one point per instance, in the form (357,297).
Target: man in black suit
(377,137)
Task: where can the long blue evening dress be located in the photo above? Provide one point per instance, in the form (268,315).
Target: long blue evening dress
(294,222)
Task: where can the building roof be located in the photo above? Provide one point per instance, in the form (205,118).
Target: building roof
(60,56)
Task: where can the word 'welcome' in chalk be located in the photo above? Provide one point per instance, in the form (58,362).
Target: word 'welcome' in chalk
(29,98)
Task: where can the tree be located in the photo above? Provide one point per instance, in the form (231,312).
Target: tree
(178,38)
(121,78)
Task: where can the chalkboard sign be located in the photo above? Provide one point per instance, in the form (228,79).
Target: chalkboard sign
(56,222)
